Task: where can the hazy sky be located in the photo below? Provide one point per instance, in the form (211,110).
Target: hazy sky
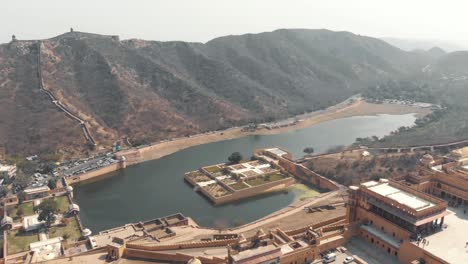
(202,20)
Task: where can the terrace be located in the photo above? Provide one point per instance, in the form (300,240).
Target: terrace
(450,243)
(251,169)
(216,190)
(198,176)
(230,181)
(265,179)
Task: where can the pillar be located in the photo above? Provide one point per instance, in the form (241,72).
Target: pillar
(442,221)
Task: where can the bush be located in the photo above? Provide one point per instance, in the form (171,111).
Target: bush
(235,158)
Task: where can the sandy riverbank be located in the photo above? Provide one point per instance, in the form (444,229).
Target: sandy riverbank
(358,108)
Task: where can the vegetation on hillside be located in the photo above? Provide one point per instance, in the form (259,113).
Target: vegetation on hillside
(150,90)
(352,168)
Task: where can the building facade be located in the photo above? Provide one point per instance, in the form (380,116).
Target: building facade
(392,216)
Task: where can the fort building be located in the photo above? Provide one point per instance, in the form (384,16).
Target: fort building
(443,176)
(396,218)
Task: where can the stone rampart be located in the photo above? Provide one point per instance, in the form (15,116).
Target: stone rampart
(275,186)
(94,173)
(202,244)
(168,257)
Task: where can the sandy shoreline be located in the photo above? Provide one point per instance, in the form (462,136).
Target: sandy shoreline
(358,108)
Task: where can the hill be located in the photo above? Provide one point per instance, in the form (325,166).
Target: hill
(151,90)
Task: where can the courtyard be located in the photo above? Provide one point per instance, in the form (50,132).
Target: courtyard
(451,243)
(19,241)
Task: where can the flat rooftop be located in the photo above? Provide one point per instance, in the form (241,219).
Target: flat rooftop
(449,244)
(400,196)
(277,151)
(267,253)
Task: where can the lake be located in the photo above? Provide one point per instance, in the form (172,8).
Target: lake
(156,188)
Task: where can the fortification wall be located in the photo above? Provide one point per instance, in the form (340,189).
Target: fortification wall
(167,257)
(202,244)
(335,220)
(303,173)
(93,174)
(275,186)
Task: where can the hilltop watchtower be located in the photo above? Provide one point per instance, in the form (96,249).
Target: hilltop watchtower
(13,38)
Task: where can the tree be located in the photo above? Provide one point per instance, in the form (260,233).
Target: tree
(309,150)
(20,212)
(48,168)
(52,183)
(3,191)
(235,158)
(48,209)
(22,197)
(22,179)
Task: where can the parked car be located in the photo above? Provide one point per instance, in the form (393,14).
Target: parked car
(348,260)
(331,257)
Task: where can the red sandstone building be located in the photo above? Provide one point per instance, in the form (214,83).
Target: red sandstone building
(445,177)
(395,218)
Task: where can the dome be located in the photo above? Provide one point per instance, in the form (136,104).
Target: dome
(194,261)
(69,188)
(428,157)
(86,232)
(7,220)
(73,207)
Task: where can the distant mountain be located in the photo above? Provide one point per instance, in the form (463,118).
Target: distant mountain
(455,63)
(421,44)
(436,52)
(151,90)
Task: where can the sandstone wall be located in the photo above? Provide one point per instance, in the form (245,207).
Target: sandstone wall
(93,174)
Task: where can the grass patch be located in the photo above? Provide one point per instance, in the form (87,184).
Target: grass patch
(62,203)
(238,186)
(19,241)
(302,191)
(213,169)
(28,209)
(71,229)
(265,179)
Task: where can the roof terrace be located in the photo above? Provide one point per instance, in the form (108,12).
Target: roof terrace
(401,196)
(401,200)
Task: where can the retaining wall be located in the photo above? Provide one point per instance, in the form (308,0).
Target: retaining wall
(303,173)
(93,174)
(275,186)
(203,244)
(167,257)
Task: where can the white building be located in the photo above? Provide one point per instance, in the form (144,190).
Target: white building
(32,223)
(7,171)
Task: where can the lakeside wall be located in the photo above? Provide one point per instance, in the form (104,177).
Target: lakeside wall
(94,173)
(276,186)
